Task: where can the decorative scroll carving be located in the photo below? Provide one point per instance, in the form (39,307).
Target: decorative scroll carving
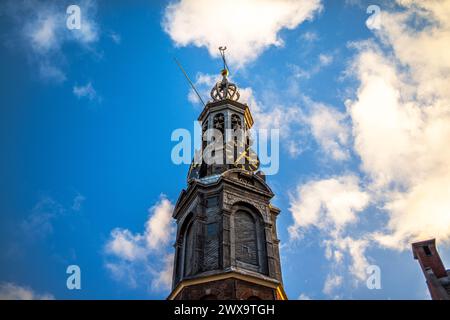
(225,89)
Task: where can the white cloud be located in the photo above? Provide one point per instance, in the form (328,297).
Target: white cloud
(42,31)
(289,120)
(401,122)
(293,148)
(331,283)
(163,278)
(144,255)
(275,116)
(77,202)
(328,204)
(89,31)
(331,206)
(247,27)
(303,296)
(124,271)
(158,233)
(43,34)
(51,73)
(86,91)
(330,130)
(310,36)
(115,37)
(159,227)
(125,245)
(39,223)
(338,247)
(323,61)
(301,123)
(12,291)
(46,27)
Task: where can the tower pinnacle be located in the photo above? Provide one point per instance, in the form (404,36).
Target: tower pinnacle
(224,89)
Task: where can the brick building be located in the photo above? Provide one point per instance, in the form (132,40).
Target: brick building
(437,277)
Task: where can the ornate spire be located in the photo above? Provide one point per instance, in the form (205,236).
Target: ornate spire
(224,89)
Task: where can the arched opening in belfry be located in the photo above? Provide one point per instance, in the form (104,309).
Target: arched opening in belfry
(219,122)
(204,137)
(236,122)
(218,139)
(237,136)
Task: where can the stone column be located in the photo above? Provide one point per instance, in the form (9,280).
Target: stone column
(271,260)
(178,265)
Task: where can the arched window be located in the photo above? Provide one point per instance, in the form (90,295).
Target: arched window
(249,238)
(219,122)
(235,122)
(246,244)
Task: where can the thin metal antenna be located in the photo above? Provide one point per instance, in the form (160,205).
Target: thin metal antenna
(222,53)
(189,80)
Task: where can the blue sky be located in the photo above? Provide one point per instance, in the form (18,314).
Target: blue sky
(87,115)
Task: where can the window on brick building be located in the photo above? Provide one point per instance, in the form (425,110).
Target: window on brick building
(427,251)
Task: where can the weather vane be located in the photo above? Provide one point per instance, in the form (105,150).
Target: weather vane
(224,89)
(225,65)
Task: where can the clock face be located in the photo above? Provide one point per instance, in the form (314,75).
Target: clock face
(241,156)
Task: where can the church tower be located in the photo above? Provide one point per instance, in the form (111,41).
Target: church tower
(226,244)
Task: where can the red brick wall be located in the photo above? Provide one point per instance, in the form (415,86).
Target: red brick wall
(434,261)
(227,289)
